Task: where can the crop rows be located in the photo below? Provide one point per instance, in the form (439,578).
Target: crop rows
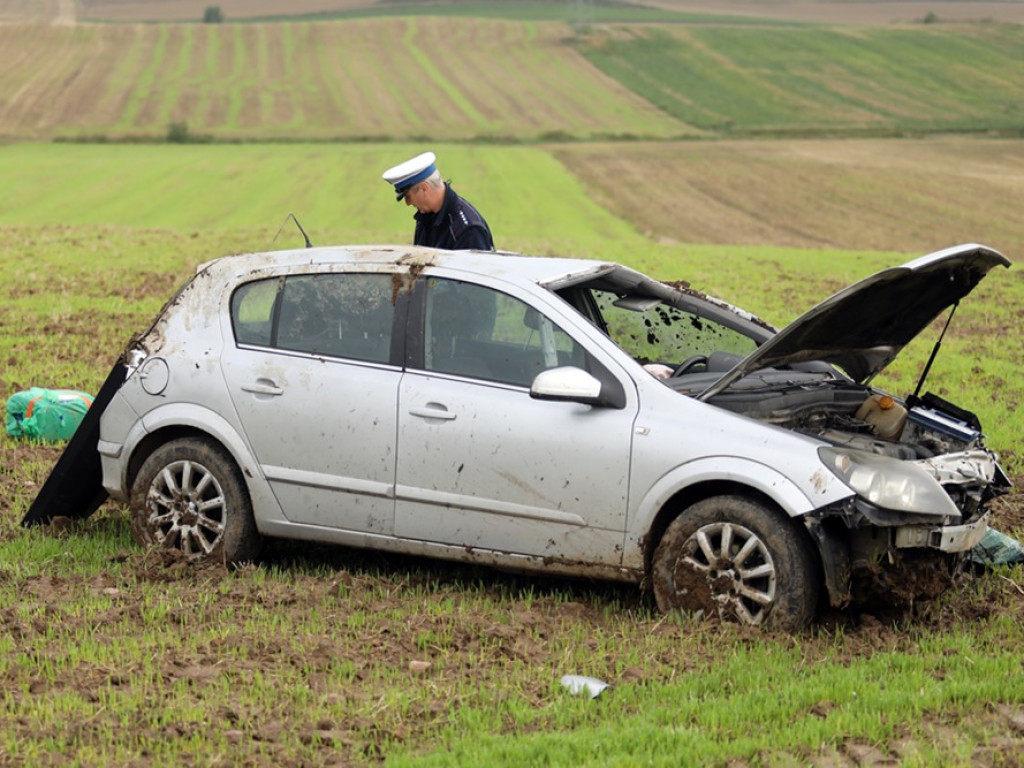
(364,78)
(803,80)
(484,79)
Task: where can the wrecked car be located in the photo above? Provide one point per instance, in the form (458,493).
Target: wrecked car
(556,415)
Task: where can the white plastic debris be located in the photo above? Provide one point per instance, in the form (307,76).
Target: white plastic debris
(580,684)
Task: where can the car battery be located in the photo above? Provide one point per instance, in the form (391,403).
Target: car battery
(928,420)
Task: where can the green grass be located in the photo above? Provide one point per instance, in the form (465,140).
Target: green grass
(741,81)
(112,655)
(177,206)
(335,191)
(765,700)
(266,664)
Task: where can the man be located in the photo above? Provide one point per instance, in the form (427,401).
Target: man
(443,219)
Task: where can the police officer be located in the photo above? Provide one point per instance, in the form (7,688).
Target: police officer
(443,219)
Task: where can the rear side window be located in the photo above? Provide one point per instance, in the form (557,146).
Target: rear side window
(252,312)
(333,315)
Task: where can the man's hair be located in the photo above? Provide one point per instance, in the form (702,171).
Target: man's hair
(434,180)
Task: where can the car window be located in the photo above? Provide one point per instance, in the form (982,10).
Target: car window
(471,330)
(252,312)
(335,315)
(661,333)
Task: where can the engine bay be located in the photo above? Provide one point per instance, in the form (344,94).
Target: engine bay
(854,416)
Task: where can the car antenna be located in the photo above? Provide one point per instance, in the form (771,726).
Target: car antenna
(914,399)
(304,235)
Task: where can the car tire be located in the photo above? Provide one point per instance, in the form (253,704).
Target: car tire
(190,496)
(735,558)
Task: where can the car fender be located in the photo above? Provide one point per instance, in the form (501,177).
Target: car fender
(738,472)
(178,415)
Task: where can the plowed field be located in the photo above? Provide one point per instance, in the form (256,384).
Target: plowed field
(383,78)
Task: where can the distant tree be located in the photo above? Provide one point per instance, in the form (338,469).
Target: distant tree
(178,133)
(931,18)
(213,15)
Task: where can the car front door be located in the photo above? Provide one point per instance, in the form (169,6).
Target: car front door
(312,380)
(481,464)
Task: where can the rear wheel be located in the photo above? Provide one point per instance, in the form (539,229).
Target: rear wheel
(190,496)
(735,558)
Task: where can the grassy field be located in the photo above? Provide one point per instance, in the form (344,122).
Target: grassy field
(909,196)
(812,80)
(110,655)
(822,218)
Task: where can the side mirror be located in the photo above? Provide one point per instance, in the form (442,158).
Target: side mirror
(567,383)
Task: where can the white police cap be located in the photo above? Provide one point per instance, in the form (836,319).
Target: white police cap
(404,175)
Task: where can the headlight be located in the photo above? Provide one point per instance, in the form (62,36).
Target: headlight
(889,483)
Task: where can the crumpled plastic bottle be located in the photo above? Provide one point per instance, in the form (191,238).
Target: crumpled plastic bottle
(581,684)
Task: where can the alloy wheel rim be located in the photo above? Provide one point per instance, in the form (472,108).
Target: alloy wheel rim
(738,567)
(186,508)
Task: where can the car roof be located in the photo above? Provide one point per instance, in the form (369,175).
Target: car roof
(549,271)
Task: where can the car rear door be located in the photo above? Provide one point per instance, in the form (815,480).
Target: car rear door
(313,381)
(481,464)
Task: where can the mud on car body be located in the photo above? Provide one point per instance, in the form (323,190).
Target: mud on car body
(499,409)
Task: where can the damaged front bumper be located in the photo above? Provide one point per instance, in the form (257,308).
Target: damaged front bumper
(863,561)
(905,523)
(946,538)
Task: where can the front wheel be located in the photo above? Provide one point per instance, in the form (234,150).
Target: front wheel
(735,558)
(189,496)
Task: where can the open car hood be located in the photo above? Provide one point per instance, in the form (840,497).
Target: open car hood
(862,328)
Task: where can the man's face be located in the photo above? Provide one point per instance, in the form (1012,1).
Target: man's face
(415,197)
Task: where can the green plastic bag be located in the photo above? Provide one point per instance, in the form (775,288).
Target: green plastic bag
(997,548)
(50,415)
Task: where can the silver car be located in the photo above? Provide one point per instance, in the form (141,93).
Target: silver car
(558,415)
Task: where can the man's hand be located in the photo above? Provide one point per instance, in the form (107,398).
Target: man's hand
(658,371)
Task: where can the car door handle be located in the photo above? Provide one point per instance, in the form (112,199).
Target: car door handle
(263,387)
(436,412)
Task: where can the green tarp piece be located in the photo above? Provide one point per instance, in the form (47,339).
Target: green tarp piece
(997,548)
(50,415)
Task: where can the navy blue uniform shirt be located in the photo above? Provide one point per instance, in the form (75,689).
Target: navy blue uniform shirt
(456,226)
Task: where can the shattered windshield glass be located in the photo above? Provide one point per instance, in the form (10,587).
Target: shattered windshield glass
(654,332)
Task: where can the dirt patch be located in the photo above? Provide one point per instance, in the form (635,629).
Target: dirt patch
(849,194)
(49,11)
(24,467)
(1008,510)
